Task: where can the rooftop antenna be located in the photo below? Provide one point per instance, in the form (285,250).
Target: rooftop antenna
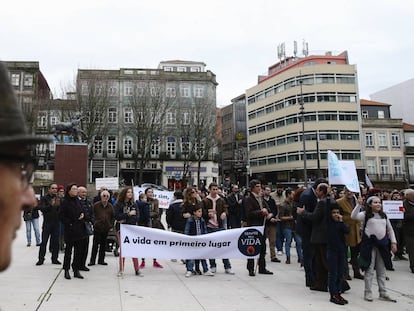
(305,49)
(295,48)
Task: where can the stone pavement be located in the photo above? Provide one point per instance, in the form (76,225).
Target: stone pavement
(25,286)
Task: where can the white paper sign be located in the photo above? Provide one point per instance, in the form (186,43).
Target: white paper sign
(342,173)
(111,183)
(164,197)
(393,209)
(138,241)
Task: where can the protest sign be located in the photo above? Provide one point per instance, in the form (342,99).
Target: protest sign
(393,209)
(164,197)
(137,241)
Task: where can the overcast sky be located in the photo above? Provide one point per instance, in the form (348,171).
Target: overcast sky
(237,39)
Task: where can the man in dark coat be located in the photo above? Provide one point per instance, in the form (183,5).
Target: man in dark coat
(308,200)
(174,213)
(256,213)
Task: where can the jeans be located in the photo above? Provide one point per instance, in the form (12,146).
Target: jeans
(189,264)
(226,262)
(279,236)
(298,243)
(287,233)
(35,223)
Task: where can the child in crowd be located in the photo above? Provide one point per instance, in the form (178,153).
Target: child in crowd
(196,225)
(336,250)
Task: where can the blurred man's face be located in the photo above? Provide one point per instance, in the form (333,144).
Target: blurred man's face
(82,193)
(12,199)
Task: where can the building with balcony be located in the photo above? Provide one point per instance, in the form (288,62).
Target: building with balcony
(384,145)
(327,87)
(160,123)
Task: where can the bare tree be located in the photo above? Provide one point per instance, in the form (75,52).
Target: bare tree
(93,102)
(205,134)
(149,104)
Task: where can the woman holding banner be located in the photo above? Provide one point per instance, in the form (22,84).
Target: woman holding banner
(126,212)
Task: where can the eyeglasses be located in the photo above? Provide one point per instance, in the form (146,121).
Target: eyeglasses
(23,164)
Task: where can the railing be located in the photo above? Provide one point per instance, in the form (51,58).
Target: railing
(386,177)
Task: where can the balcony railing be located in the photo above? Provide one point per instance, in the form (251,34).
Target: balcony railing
(386,177)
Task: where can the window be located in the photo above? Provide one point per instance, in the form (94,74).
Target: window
(42,119)
(397,167)
(171,118)
(181,69)
(369,140)
(28,80)
(128,90)
(155,147)
(128,115)
(195,69)
(85,90)
(112,115)
(185,145)
(186,118)
(395,140)
(111,146)
(199,149)
(371,167)
(170,92)
(364,114)
(113,91)
(128,146)
(384,167)
(98,117)
(382,140)
(54,120)
(98,145)
(15,79)
(198,92)
(168,68)
(171,147)
(184,92)
(381,114)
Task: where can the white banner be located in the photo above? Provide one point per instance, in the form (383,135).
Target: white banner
(342,173)
(111,183)
(138,242)
(164,197)
(393,209)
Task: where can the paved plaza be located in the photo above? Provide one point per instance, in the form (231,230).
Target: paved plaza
(25,286)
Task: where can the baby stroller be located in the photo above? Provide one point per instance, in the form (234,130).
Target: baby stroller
(112,244)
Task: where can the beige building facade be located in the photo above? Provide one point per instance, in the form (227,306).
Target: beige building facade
(327,87)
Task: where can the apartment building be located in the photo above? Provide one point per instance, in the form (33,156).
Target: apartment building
(384,145)
(158,121)
(321,91)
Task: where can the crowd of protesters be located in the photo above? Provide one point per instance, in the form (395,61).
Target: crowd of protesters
(330,227)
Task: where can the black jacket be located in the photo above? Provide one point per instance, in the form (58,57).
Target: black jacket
(49,206)
(175,217)
(74,228)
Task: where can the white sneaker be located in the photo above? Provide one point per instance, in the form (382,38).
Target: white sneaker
(188,274)
(213,269)
(279,252)
(208,273)
(229,271)
(368,296)
(385,297)
(120,274)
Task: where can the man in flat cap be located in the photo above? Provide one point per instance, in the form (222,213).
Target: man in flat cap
(16,166)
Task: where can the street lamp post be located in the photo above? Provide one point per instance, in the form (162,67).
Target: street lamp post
(305,173)
(317,154)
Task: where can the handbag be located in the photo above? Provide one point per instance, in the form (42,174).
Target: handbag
(88,227)
(27,216)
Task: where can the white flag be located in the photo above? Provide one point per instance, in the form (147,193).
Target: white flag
(342,172)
